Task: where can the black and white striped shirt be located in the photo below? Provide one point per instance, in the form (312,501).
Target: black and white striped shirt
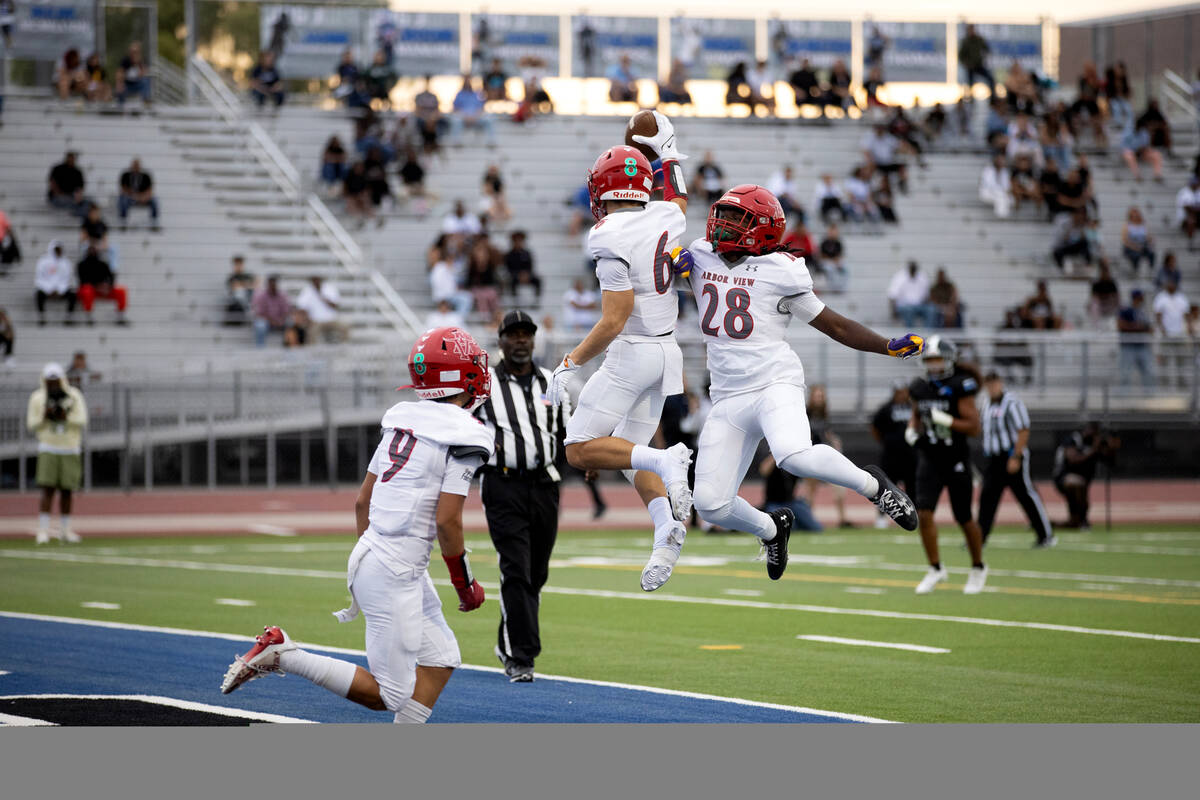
(1003,419)
(529,433)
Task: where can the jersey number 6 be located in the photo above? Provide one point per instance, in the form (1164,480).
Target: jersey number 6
(399,454)
(738,322)
(664,270)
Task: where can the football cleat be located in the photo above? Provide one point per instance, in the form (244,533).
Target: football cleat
(662,560)
(70,537)
(42,537)
(776,550)
(1047,543)
(932,578)
(893,502)
(975,580)
(676,481)
(258,660)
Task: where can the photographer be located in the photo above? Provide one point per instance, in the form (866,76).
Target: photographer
(57,415)
(1075,469)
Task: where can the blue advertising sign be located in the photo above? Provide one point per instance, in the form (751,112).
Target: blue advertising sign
(907,51)
(45,29)
(1008,42)
(309,40)
(511,37)
(821,42)
(710,48)
(600,42)
(416,44)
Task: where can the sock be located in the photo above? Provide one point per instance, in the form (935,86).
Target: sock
(43,521)
(824,463)
(977,565)
(330,673)
(646,458)
(739,515)
(936,566)
(65,519)
(412,712)
(660,512)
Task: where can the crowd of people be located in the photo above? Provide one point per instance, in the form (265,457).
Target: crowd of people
(88,80)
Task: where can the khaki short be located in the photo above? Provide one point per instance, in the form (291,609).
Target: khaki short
(56,471)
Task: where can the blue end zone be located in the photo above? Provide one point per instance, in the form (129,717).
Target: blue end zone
(48,657)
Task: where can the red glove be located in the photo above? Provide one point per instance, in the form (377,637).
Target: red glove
(470,593)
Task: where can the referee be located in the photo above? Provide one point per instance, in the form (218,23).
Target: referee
(1005,443)
(520,489)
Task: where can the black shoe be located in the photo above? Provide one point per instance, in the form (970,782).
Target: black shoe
(519,673)
(777,548)
(893,502)
(599,511)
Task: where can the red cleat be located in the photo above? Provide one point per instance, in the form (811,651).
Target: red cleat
(258,660)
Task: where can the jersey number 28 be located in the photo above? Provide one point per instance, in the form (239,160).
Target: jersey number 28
(738,322)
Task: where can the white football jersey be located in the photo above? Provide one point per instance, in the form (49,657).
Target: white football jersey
(745,309)
(642,239)
(427,448)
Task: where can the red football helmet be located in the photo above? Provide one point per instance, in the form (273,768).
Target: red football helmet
(620,173)
(447,361)
(747,219)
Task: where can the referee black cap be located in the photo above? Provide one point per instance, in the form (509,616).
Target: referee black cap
(515,319)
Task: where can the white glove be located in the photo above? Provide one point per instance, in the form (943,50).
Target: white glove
(556,392)
(941,422)
(662,142)
(911,436)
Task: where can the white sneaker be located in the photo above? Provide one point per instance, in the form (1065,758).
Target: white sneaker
(258,660)
(42,537)
(70,536)
(662,560)
(932,578)
(975,580)
(679,458)
(881,522)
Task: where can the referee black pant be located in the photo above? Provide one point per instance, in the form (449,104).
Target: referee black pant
(522,517)
(996,478)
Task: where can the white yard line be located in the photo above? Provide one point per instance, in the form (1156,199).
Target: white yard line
(101,605)
(348,651)
(916,648)
(233,601)
(664,598)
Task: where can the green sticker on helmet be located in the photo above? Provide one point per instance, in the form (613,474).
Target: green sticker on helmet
(631,166)
(419,364)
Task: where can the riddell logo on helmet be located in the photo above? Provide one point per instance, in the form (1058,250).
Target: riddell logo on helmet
(627,194)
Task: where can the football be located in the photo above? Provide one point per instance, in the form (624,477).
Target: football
(642,124)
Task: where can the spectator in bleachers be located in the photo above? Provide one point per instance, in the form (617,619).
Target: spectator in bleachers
(10,251)
(934,124)
(1073,193)
(266,81)
(1136,147)
(798,241)
(375,172)
(1137,245)
(901,126)
(807,87)
(53,280)
(995,186)
(461,224)
(380,77)
(79,374)
(295,332)
(1023,140)
(737,89)
(1071,238)
(1118,93)
(97,88)
(347,74)
(357,195)
(1020,89)
(1187,208)
(872,85)
(70,79)
(443,280)
(580,203)
(239,292)
(838,93)
(518,262)
(908,295)
(876,44)
(996,126)
(1134,351)
(972,57)
(493,204)
(1171,312)
(1024,182)
(272,310)
(8,336)
(412,175)
(1086,105)
(1152,120)
(468,113)
(1038,311)
(93,232)
(1049,185)
(321,303)
(827,199)
(536,99)
(581,307)
(1105,298)
(333,165)
(97,281)
(137,189)
(833,264)
(881,148)
(1055,138)
(428,114)
(786,188)
(881,196)
(1014,357)
(622,84)
(943,296)
(674,90)
(483,279)
(495,82)
(711,179)
(65,186)
(760,80)
(859,206)
(1169,272)
(133,78)
(444,316)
